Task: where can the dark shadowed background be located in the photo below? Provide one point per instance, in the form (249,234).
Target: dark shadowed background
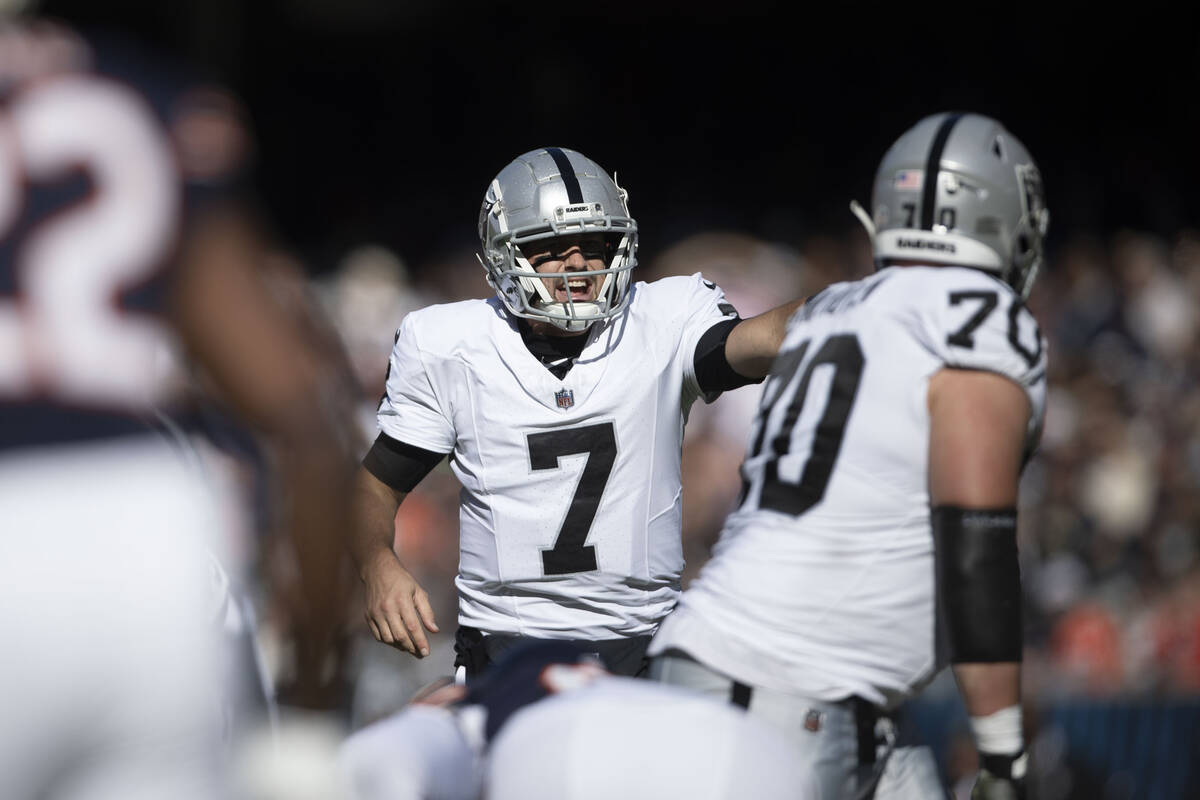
(384,120)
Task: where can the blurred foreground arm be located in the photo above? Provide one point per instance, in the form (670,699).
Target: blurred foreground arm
(977,435)
(293,392)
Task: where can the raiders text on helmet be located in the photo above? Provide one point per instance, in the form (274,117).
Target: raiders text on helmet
(543,194)
(960,189)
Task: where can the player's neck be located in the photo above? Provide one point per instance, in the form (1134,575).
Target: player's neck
(549,329)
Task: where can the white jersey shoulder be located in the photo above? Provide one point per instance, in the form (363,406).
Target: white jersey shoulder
(571,512)
(970,320)
(836,494)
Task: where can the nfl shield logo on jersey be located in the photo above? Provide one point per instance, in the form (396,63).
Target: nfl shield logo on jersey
(564,398)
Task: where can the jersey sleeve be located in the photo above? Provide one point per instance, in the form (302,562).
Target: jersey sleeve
(411,410)
(706,306)
(969,320)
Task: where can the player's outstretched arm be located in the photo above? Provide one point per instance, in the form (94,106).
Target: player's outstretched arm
(977,436)
(397,608)
(753,344)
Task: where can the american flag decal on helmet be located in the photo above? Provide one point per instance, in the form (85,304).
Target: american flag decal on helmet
(564,398)
(909,179)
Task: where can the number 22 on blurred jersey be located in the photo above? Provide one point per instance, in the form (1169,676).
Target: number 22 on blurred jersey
(63,333)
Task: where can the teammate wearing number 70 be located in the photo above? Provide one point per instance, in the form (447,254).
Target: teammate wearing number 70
(561,403)
(880,482)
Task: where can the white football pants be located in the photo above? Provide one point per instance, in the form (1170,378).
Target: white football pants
(109,673)
(824,735)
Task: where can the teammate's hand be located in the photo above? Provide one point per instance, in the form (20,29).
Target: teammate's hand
(1001,777)
(398,610)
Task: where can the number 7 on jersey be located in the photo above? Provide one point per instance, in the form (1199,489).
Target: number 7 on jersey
(570,553)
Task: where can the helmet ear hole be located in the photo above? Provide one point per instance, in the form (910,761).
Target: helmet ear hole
(997,149)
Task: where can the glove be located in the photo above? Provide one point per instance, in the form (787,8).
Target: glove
(1001,777)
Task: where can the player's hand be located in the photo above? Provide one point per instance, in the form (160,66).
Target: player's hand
(1001,777)
(398,610)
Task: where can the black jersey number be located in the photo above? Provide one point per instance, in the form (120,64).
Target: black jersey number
(845,356)
(570,553)
(988,300)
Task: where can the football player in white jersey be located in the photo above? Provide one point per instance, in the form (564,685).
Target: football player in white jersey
(548,723)
(880,481)
(561,402)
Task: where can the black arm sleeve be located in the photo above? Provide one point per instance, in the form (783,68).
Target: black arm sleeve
(978,584)
(399,465)
(713,372)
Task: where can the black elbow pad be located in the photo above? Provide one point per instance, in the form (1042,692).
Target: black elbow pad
(978,584)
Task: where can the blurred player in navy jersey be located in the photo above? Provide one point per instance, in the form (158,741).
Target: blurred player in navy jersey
(128,249)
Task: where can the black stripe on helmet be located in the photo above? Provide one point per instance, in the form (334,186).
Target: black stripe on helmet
(932,167)
(574,193)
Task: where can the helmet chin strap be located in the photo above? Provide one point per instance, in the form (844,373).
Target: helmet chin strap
(864,218)
(575,324)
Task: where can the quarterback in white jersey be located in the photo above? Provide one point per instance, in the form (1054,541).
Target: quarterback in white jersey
(571,486)
(880,481)
(561,403)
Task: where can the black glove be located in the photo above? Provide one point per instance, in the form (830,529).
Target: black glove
(1001,777)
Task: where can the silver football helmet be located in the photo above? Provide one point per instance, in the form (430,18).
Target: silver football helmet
(543,194)
(960,189)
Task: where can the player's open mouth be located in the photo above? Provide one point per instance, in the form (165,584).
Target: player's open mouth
(579,289)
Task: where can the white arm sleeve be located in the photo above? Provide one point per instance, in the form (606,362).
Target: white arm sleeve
(969,320)
(706,306)
(411,410)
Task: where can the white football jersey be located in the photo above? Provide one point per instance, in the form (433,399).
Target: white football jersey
(570,510)
(822,581)
(635,739)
